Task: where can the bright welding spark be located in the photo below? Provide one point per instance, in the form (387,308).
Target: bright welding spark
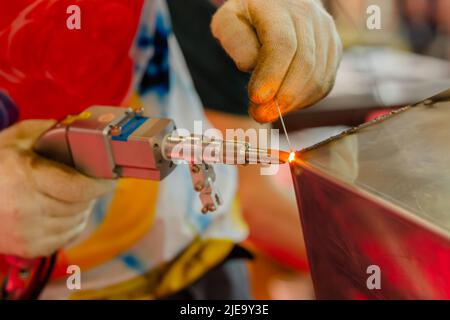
(291,156)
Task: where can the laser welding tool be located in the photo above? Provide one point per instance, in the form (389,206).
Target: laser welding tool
(112,142)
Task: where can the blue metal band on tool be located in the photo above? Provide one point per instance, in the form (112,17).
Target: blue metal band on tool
(129,128)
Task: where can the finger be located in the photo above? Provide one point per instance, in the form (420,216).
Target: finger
(335,43)
(45,226)
(299,75)
(266,112)
(333,59)
(278,39)
(236,35)
(46,246)
(25,133)
(61,225)
(307,71)
(66,184)
(324,81)
(50,207)
(51,216)
(61,240)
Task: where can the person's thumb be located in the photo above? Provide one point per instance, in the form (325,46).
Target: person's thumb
(25,133)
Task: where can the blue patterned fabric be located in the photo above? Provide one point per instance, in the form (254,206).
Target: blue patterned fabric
(156,75)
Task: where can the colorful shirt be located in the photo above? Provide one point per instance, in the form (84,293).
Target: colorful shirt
(148,239)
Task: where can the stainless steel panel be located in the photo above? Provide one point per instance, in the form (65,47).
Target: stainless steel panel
(380,195)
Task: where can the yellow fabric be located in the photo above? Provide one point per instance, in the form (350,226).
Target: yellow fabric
(198,258)
(128,219)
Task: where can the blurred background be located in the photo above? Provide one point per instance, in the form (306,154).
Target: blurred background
(405,61)
(419,26)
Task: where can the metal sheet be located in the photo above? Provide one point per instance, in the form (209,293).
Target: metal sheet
(379,195)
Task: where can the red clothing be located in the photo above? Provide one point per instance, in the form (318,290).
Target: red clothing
(50,71)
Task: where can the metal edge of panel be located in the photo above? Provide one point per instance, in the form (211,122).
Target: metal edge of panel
(443,96)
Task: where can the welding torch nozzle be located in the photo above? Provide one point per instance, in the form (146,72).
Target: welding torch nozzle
(198,149)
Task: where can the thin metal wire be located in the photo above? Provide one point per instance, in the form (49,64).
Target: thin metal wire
(284,127)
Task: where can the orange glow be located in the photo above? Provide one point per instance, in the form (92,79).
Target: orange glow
(291,156)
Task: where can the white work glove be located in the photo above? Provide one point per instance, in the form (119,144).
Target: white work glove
(292,46)
(43,204)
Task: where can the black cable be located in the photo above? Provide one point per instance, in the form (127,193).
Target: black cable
(47,274)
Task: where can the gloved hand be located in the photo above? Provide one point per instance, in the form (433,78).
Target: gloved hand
(292,46)
(43,204)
